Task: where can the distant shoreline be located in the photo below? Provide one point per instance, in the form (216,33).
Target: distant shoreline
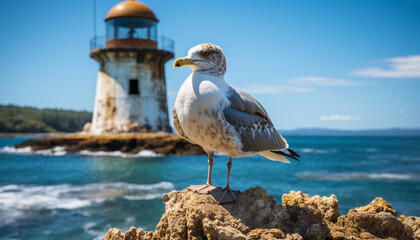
(356,135)
(291,133)
(13,135)
(325,132)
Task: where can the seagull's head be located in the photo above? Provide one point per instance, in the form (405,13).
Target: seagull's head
(204,57)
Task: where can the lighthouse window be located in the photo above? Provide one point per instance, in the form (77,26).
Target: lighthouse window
(123,27)
(153,30)
(134,87)
(110,29)
(140,28)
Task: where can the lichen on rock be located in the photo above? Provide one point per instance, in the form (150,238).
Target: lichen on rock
(256,215)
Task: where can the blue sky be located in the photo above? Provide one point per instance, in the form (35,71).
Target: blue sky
(337,64)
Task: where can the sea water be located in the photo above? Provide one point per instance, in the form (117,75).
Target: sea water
(51,195)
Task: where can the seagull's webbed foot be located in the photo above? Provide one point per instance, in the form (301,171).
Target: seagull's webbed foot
(224,195)
(206,188)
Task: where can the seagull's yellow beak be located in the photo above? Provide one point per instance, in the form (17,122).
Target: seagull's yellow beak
(183,62)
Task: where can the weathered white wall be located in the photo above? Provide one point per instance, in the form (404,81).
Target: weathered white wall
(115,110)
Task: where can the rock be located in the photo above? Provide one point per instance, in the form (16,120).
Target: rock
(414,223)
(131,234)
(271,234)
(370,225)
(377,220)
(328,206)
(114,234)
(262,211)
(135,127)
(260,233)
(256,215)
(87,127)
(161,143)
(197,216)
(376,206)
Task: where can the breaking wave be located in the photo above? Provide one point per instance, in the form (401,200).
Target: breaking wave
(17,200)
(144,197)
(89,228)
(56,151)
(356,176)
(370,150)
(142,153)
(60,151)
(65,196)
(332,150)
(315,151)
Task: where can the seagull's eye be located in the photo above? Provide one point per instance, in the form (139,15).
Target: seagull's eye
(206,53)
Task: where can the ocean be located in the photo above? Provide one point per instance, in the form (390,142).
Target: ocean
(52,195)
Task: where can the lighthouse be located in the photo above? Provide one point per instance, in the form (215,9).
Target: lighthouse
(131,88)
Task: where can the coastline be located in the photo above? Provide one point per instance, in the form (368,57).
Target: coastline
(13,135)
(128,143)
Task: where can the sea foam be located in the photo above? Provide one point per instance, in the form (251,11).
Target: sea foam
(315,151)
(17,200)
(60,151)
(142,153)
(356,176)
(56,151)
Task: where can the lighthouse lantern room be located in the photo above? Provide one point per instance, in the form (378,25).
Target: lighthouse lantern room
(131,88)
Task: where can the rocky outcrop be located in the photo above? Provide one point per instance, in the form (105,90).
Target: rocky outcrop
(414,223)
(328,206)
(256,215)
(376,206)
(370,226)
(161,143)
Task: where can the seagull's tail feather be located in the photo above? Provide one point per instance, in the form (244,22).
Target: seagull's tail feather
(273,156)
(293,154)
(280,155)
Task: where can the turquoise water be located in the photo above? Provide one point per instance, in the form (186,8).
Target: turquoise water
(82,196)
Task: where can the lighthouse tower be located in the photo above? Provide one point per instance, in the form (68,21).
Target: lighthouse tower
(131,89)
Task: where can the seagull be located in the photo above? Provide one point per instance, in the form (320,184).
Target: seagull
(211,113)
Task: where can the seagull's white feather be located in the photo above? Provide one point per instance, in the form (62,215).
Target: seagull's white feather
(198,107)
(204,114)
(212,114)
(178,127)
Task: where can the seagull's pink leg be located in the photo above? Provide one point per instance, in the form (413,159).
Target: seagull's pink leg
(206,188)
(210,162)
(226,195)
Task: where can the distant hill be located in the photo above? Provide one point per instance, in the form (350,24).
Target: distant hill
(335,132)
(15,119)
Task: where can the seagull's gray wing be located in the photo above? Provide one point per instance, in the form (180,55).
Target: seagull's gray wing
(251,121)
(178,127)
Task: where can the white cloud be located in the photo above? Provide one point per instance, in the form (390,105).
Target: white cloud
(322,81)
(399,67)
(297,85)
(343,118)
(260,88)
